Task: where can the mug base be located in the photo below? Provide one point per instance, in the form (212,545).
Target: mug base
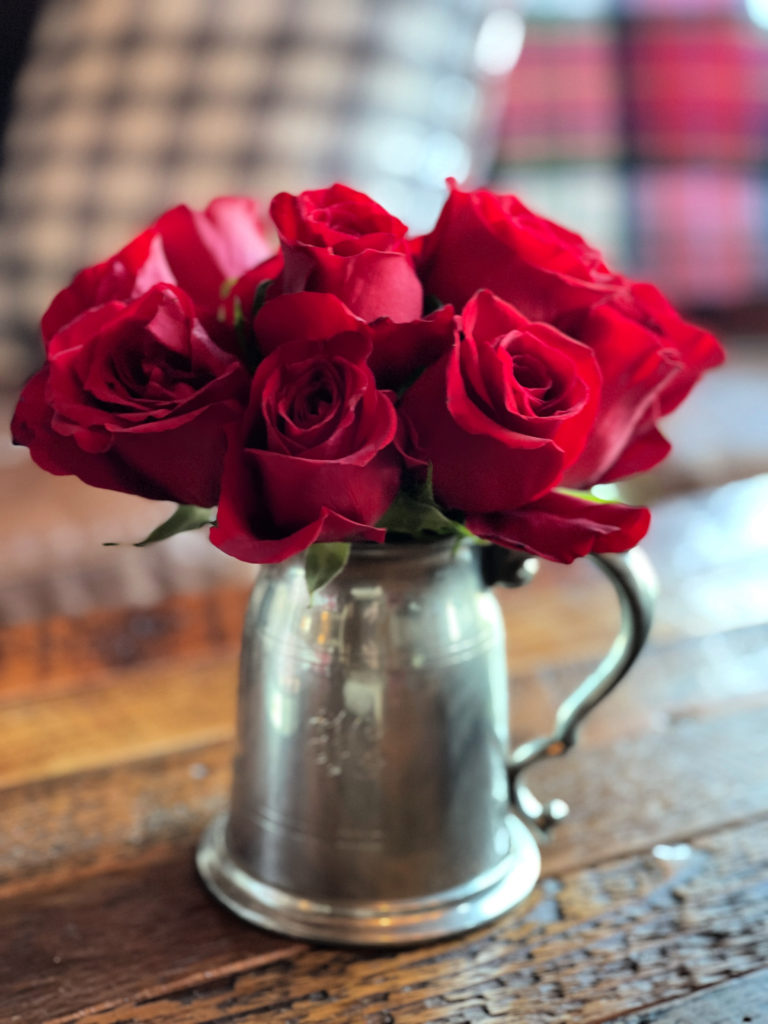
(400,922)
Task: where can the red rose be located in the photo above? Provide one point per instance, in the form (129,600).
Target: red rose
(504,413)
(399,351)
(339,241)
(562,526)
(484,240)
(313,460)
(198,251)
(649,357)
(134,396)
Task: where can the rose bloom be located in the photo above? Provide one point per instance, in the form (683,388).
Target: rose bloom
(197,250)
(500,419)
(502,414)
(398,351)
(313,459)
(134,396)
(339,241)
(649,357)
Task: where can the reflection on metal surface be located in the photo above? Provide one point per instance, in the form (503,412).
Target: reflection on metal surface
(397,922)
(678,852)
(346,741)
(371,801)
(635,582)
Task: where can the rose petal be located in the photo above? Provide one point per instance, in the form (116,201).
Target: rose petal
(306,316)
(562,527)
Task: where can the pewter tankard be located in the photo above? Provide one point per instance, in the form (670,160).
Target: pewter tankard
(375,800)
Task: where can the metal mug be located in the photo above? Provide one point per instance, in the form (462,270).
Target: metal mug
(375,800)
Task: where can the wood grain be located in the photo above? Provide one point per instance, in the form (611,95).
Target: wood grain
(589,945)
(70,834)
(55,564)
(710,552)
(109,817)
(741,1001)
(168,706)
(64,654)
(693,676)
(166,702)
(135,931)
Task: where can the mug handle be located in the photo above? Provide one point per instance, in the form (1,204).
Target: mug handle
(634,580)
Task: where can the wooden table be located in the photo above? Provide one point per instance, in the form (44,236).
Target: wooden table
(115,747)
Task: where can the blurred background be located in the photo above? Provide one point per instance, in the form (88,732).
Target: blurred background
(645,124)
(642,124)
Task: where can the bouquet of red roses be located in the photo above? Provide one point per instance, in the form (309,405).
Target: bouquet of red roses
(360,385)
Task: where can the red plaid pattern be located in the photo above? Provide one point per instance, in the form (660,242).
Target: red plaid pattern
(681,8)
(563,97)
(701,234)
(677,92)
(698,90)
(125,107)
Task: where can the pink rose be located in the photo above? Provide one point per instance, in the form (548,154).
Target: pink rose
(197,250)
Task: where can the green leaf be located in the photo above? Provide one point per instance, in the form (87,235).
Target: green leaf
(224,290)
(416,514)
(424,490)
(238,316)
(586,496)
(413,517)
(261,296)
(244,335)
(244,326)
(226,287)
(324,563)
(186,517)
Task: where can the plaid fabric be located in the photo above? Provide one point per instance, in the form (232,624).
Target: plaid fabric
(698,90)
(702,234)
(681,8)
(563,97)
(126,107)
(567,9)
(696,95)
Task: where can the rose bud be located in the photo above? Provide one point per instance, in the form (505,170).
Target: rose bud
(338,240)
